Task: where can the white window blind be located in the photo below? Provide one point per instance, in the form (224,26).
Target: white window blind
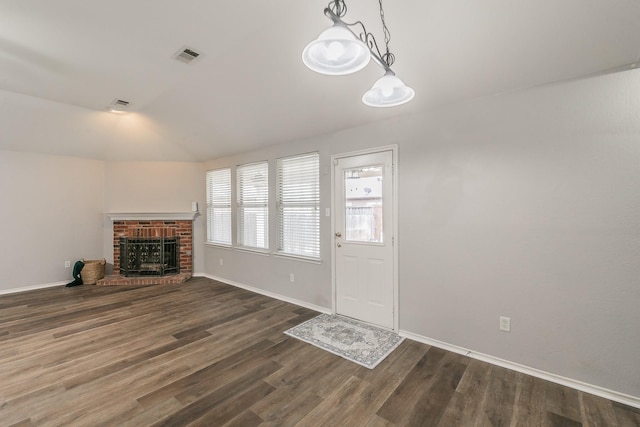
(219,206)
(298,200)
(253,205)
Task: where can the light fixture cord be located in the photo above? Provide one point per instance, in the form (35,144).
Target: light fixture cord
(388,57)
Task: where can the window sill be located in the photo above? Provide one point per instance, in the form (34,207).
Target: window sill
(298,258)
(263,252)
(218,245)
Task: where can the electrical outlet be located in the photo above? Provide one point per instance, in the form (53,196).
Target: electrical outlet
(221,261)
(291,277)
(505,324)
(67,264)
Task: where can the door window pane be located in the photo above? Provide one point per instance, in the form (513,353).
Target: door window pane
(363,204)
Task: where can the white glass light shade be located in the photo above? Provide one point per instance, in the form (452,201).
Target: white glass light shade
(388,91)
(336,52)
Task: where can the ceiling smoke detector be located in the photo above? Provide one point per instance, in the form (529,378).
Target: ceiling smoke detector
(119,106)
(186,55)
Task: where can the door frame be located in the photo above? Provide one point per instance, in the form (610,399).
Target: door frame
(394,227)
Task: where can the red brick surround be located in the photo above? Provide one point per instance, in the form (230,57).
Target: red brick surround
(156,228)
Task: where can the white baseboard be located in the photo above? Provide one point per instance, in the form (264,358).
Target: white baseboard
(31,287)
(578,385)
(269,294)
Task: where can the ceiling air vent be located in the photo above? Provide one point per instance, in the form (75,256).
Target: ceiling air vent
(119,106)
(186,55)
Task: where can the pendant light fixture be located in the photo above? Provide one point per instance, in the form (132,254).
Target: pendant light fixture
(339,51)
(336,52)
(388,91)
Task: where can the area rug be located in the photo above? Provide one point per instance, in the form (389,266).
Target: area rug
(358,342)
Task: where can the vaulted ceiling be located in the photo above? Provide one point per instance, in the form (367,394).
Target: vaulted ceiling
(62,63)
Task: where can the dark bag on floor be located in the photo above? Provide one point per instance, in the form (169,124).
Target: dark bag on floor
(77,280)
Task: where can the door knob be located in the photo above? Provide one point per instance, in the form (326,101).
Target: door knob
(339,244)
(338,234)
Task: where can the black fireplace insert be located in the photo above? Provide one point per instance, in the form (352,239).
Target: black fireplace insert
(149,256)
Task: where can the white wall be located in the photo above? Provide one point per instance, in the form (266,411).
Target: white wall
(525,205)
(51,212)
(155,187)
(528,206)
(53,206)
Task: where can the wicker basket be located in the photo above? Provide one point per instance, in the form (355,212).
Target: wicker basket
(92,271)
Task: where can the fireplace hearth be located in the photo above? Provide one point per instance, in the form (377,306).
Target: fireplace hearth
(149,256)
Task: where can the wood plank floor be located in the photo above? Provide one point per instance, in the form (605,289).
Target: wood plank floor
(205,353)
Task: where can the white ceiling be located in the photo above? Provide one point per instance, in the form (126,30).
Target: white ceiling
(62,62)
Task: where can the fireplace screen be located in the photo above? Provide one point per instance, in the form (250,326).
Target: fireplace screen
(149,256)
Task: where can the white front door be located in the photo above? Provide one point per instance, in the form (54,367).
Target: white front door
(363,237)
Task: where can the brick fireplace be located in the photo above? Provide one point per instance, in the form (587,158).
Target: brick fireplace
(149,226)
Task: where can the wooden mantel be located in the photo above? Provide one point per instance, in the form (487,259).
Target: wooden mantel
(151,216)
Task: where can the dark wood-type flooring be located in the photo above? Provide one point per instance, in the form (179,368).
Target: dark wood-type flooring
(205,353)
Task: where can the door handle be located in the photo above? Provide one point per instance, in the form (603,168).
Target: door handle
(339,244)
(338,234)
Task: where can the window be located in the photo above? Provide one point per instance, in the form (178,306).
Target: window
(219,206)
(298,200)
(253,205)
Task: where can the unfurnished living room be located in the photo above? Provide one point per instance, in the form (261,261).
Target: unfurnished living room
(320,213)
